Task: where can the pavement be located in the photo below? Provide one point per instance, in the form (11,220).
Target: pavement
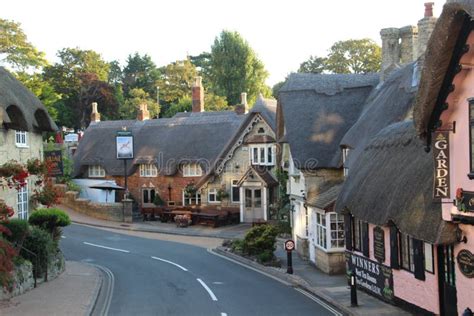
(75,291)
(72,293)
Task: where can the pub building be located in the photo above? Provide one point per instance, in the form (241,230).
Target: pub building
(408,201)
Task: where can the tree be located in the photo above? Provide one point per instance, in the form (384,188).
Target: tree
(15,50)
(354,56)
(182,105)
(177,80)
(140,72)
(314,65)
(128,111)
(235,68)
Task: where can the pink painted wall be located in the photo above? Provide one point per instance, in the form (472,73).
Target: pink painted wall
(459,164)
(421,293)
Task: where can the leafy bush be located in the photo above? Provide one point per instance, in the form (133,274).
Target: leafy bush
(40,243)
(51,220)
(158,200)
(19,229)
(259,239)
(265,256)
(73,186)
(237,245)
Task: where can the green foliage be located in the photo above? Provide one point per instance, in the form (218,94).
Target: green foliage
(19,229)
(42,245)
(213,102)
(314,65)
(237,245)
(51,220)
(183,105)
(177,81)
(158,200)
(235,68)
(265,256)
(131,105)
(15,48)
(351,56)
(259,239)
(140,72)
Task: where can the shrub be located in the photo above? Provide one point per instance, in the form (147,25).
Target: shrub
(41,244)
(19,229)
(158,200)
(73,186)
(265,256)
(259,239)
(237,245)
(51,220)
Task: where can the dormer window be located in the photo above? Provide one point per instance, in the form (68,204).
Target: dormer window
(21,138)
(263,155)
(192,170)
(148,170)
(96,171)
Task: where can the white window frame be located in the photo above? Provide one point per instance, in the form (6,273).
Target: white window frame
(429,257)
(96,171)
(345,153)
(22,202)
(189,200)
(148,170)
(324,237)
(192,170)
(262,155)
(21,138)
(234,184)
(212,193)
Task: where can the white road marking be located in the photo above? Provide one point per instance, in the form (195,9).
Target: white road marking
(211,294)
(218,283)
(104,247)
(320,302)
(223,314)
(109,291)
(175,264)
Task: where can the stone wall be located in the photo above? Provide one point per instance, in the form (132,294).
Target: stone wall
(330,263)
(23,279)
(119,212)
(302,247)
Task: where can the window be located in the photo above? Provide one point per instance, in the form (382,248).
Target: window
(22,204)
(21,138)
(345,153)
(330,231)
(357,233)
(235,192)
(263,155)
(96,171)
(148,170)
(192,200)
(192,170)
(429,259)
(148,196)
(406,243)
(212,196)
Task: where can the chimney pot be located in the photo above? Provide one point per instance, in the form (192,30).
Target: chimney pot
(95,115)
(198,95)
(429,9)
(243,107)
(143,113)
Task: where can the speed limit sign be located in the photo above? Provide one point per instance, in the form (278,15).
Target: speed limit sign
(289,245)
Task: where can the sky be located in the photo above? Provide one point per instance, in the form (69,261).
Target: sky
(282,33)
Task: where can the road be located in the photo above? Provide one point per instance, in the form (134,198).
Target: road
(156,277)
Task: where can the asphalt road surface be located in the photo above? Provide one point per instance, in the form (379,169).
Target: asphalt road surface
(156,277)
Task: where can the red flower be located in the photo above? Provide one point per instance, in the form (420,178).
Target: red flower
(459,193)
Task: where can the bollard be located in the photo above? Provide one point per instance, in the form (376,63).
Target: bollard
(353,290)
(289,270)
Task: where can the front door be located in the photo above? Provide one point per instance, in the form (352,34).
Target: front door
(447,280)
(253,204)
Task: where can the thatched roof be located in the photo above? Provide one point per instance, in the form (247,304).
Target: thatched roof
(20,109)
(392,181)
(317,111)
(442,56)
(390,102)
(326,196)
(167,143)
(266,108)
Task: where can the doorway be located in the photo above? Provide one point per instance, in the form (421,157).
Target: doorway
(447,280)
(253,205)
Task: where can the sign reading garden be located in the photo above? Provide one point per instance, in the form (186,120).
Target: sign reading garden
(441,160)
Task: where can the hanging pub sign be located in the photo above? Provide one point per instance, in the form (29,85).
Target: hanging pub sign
(379,244)
(371,276)
(465,261)
(441,161)
(54,158)
(124,142)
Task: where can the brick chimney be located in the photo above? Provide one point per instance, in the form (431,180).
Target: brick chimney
(95,115)
(408,44)
(143,113)
(198,95)
(243,107)
(425,28)
(390,50)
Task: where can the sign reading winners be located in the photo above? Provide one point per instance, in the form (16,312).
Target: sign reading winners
(124,141)
(371,276)
(55,160)
(441,161)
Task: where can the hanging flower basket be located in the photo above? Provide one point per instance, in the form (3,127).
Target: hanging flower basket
(460,203)
(5,211)
(48,196)
(36,167)
(15,174)
(190,190)
(222,194)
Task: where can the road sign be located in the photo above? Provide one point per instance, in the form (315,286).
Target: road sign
(289,245)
